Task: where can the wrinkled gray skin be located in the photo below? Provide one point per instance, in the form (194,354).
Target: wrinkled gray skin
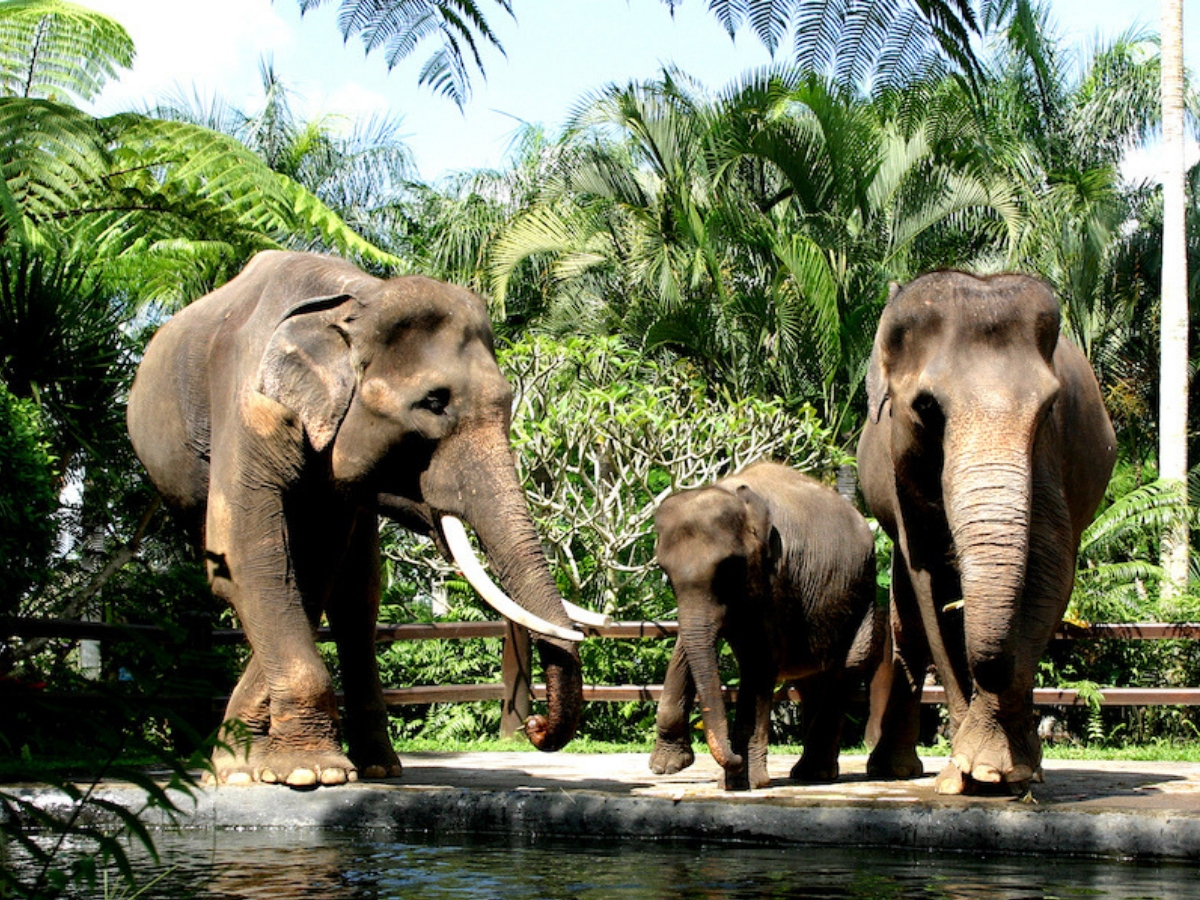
(986,452)
(279,415)
(783,569)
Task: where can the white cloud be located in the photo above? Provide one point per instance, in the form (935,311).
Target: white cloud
(214,46)
(1146,163)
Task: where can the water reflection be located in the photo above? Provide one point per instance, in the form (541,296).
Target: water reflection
(296,865)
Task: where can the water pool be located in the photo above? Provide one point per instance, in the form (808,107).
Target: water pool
(364,865)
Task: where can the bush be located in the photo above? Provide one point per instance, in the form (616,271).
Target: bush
(28,500)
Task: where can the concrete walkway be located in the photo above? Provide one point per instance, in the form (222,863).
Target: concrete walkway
(1145,810)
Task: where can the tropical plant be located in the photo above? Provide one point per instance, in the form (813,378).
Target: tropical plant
(890,41)
(168,192)
(51,47)
(755,231)
(28,500)
(399,27)
(1116,578)
(360,168)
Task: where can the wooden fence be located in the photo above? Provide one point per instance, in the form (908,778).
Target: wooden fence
(516,690)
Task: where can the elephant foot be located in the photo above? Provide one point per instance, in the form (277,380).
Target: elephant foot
(747,777)
(670,757)
(237,759)
(379,771)
(952,780)
(814,772)
(987,756)
(306,769)
(735,781)
(887,765)
(256,762)
(374,758)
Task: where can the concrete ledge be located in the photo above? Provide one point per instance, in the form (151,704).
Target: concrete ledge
(1126,809)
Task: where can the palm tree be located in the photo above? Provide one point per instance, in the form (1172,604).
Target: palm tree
(1059,128)
(744,230)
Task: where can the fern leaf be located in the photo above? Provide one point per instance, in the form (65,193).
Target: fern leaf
(51,47)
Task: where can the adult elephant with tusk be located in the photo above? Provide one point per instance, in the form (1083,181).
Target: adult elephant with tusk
(986,452)
(280,415)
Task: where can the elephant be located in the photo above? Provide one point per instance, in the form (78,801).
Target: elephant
(783,569)
(280,415)
(985,453)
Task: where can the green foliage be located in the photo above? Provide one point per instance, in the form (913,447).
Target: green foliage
(1115,579)
(50,850)
(603,433)
(28,500)
(754,231)
(63,347)
(48,47)
(355,170)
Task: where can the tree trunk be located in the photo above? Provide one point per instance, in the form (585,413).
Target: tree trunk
(1173,378)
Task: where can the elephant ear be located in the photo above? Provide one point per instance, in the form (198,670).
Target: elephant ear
(877,387)
(306,367)
(758,521)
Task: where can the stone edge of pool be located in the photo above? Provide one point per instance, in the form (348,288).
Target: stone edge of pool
(555,806)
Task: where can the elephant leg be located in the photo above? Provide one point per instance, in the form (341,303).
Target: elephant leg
(673,743)
(751,730)
(895,753)
(823,698)
(243,738)
(259,563)
(353,609)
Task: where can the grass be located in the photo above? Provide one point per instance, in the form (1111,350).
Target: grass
(1163,750)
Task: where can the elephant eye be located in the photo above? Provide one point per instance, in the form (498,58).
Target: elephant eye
(436,401)
(929,411)
(925,406)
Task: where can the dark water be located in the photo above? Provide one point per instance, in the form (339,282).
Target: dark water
(366,866)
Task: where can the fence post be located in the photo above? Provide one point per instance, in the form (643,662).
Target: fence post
(515,669)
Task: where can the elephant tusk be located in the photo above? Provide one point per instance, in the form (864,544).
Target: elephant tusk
(460,548)
(581,616)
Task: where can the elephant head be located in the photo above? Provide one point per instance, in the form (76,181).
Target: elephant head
(717,546)
(396,387)
(962,377)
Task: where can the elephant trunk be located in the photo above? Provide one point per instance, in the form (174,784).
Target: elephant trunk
(700,646)
(987,496)
(498,512)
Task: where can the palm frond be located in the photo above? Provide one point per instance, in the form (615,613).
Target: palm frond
(399,27)
(1140,514)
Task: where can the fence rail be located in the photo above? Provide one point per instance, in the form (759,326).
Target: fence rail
(516,692)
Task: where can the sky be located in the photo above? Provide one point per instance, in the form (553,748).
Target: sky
(556,53)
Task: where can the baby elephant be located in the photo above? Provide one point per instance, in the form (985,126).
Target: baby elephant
(783,569)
